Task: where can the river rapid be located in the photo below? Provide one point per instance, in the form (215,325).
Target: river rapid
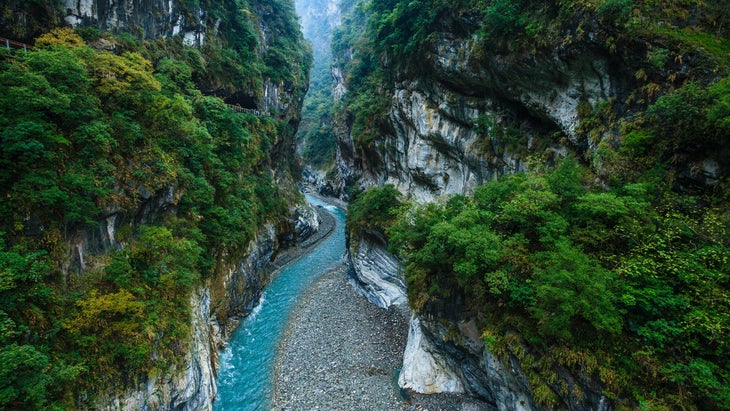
(245,379)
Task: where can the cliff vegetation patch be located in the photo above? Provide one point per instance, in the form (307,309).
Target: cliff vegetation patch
(627,285)
(126,184)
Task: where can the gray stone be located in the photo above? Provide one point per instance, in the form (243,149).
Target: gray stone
(425,370)
(377,274)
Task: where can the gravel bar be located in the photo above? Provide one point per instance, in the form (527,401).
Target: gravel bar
(340,352)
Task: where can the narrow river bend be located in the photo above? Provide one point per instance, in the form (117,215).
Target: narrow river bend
(246,365)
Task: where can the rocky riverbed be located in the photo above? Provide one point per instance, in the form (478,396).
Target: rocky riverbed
(341,352)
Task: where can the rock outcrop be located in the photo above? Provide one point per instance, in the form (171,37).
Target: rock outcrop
(437,359)
(426,370)
(444,134)
(431,146)
(85,246)
(216,310)
(377,274)
(152,19)
(188,389)
(441,356)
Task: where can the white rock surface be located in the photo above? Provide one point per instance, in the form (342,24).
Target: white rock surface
(425,370)
(378,274)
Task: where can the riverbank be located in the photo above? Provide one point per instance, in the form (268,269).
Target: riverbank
(244,379)
(340,352)
(326,226)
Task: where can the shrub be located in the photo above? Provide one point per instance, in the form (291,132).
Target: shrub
(620,278)
(372,209)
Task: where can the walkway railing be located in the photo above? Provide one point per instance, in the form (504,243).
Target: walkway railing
(12,43)
(240,109)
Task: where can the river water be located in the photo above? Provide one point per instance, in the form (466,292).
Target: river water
(246,365)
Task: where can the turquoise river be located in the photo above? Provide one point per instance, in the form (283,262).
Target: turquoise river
(245,378)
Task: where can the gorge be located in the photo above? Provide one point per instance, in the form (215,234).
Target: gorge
(244,379)
(518,170)
(544,185)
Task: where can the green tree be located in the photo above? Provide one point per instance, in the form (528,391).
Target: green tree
(372,209)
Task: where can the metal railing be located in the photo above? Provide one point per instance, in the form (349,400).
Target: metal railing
(9,44)
(240,109)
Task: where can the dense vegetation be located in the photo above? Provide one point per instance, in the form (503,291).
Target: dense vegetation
(373,210)
(24,20)
(316,125)
(389,40)
(87,133)
(630,285)
(367,98)
(612,264)
(316,128)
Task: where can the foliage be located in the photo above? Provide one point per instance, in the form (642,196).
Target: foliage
(87,132)
(316,129)
(316,137)
(286,46)
(693,121)
(30,376)
(624,276)
(135,309)
(520,24)
(620,277)
(372,209)
(24,20)
(402,28)
(368,98)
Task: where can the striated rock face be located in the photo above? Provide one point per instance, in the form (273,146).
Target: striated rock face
(237,285)
(548,85)
(377,274)
(233,285)
(448,356)
(432,147)
(152,19)
(216,310)
(425,370)
(339,88)
(193,388)
(445,134)
(200,389)
(306,222)
(441,355)
(85,246)
(434,150)
(156,19)
(459,348)
(238,290)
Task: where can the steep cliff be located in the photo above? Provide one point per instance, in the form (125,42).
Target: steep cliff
(460,108)
(149,174)
(441,99)
(315,141)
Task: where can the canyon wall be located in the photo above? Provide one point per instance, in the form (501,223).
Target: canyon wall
(273,89)
(460,112)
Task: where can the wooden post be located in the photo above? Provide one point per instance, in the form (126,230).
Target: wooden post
(7,44)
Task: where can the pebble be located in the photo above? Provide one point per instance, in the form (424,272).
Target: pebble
(340,352)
